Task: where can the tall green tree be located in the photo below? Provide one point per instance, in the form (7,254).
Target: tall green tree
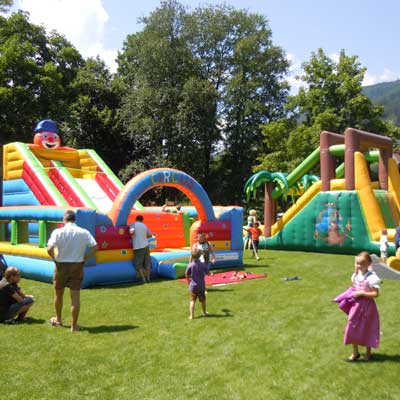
(198,86)
(237,56)
(5,5)
(331,100)
(36,71)
(196,132)
(154,66)
(91,120)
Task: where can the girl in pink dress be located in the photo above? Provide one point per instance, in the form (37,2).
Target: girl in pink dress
(358,302)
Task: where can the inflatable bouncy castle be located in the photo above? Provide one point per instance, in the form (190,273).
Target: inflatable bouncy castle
(43,179)
(343,212)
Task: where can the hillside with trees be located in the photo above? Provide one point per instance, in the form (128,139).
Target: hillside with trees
(386,94)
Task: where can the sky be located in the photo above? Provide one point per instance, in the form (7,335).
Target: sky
(367,28)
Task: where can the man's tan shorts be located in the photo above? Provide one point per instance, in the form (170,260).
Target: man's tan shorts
(142,258)
(68,274)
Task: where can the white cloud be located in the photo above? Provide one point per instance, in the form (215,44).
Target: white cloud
(335,57)
(386,76)
(294,70)
(82,22)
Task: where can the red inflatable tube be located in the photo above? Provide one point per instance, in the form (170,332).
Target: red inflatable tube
(36,186)
(214,230)
(64,188)
(113,237)
(106,184)
(114,244)
(112,232)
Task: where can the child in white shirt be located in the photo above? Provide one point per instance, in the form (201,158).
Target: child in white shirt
(384,245)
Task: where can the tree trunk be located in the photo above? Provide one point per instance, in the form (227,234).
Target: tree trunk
(269,209)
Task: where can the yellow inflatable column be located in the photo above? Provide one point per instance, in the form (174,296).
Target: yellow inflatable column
(394,181)
(369,205)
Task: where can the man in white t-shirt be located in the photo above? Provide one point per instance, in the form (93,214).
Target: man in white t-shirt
(71,242)
(140,234)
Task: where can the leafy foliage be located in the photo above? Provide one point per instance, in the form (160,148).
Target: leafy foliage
(248,72)
(198,85)
(36,71)
(387,95)
(200,90)
(333,100)
(5,5)
(92,118)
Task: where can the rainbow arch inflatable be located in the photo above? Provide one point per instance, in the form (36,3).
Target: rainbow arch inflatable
(39,184)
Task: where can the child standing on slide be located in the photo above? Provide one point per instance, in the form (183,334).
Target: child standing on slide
(358,302)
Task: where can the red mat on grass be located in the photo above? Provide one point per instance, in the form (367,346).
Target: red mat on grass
(225,278)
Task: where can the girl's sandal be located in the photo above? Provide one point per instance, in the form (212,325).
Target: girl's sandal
(368,358)
(354,357)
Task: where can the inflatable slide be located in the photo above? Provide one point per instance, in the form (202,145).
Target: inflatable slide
(43,179)
(346,210)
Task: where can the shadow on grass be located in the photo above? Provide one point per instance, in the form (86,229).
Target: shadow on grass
(216,290)
(260,264)
(226,314)
(108,328)
(125,285)
(32,321)
(376,357)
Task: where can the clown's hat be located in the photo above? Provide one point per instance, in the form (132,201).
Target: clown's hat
(47,125)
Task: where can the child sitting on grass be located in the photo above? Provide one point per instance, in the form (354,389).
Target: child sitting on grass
(195,274)
(14,303)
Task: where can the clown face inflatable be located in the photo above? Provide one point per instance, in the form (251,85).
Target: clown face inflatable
(47,135)
(47,140)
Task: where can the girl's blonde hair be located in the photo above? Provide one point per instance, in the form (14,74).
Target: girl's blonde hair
(365,256)
(252,212)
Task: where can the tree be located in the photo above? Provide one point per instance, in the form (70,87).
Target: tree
(165,99)
(198,84)
(333,100)
(35,73)
(247,71)
(196,127)
(92,119)
(5,5)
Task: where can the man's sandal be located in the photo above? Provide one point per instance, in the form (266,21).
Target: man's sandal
(54,322)
(75,328)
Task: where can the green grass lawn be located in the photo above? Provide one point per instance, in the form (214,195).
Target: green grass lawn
(265,339)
